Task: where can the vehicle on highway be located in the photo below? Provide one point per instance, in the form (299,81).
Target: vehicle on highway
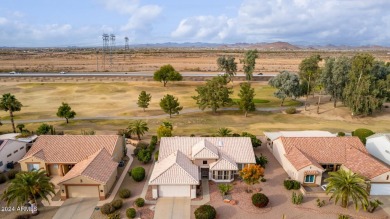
(62,72)
(260,73)
(12,72)
(222,74)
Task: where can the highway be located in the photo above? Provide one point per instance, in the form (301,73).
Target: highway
(122,74)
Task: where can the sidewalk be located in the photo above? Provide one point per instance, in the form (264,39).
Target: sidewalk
(145,189)
(206,194)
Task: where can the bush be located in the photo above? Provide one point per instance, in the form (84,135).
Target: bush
(291,110)
(205,212)
(296,199)
(235,135)
(144,155)
(138,174)
(343,216)
(131,213)
(156,155)
(224,188)
(124,132)
(139,202)
(192,135)
(3,179)
(12,173)
(291,184)
(107,209)
(255,141)
(124,193)
(139,147)
(260,200)
(10,165)
(154,140)
(262,160)
(115,215)
(362,134)
(340,134)
(129,172)
(263,179)
(320,203)
(117,204)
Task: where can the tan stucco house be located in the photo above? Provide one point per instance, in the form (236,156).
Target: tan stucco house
(184,161)
(309,159)
(85,164)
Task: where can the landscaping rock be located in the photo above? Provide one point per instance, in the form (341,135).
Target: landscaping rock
(233,202)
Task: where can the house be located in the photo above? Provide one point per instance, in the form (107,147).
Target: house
(309,159)
(378,145)
(308,133)
(85,165)
(184,161)
(11,151)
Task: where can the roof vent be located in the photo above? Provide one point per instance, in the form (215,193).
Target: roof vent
(220,143)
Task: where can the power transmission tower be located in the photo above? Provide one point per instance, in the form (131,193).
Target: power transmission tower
(105,38)
(126,46)
(97,59)
(112,46)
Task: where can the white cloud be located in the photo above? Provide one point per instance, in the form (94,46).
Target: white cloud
(3,20)
(305,21)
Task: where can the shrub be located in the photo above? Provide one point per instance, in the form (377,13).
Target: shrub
(291,184)
(138,174)
(296,185)
(340,134)
(263,179)
(117,204)
(12,173)
(224,188)
(192,135)
(131,213)
(372,205)
(156,155)
(124,193)
(124,132)
(262,160)
(139,147)
(320,203)
(10,165)
(291,110)
(153,140)
(255,141)
(343,216)
(296,199)
(139,202)
(205,212)
(107,209)
(362,134)
(129,172)
(115,215)
(144,155)
(3,179)
(260,200)
(235,135)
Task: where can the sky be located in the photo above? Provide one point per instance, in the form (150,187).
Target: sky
(36,23)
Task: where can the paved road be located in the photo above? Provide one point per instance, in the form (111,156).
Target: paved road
(184,111)
(105,74)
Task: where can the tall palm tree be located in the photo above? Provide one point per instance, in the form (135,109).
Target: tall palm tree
(138,127)
(9,103)
(28,187)
(224,132)
(346,185)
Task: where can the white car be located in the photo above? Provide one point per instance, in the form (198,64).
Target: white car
(12,72)
(326,186)
(62,72)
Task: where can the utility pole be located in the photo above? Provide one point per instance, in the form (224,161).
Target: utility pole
(112,45)
(126,47)
(105,38)
(97,59)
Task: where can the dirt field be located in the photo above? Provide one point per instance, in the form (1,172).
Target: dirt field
(149,60)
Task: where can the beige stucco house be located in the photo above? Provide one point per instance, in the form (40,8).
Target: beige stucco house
(85,164)
(183,161)
(309,159)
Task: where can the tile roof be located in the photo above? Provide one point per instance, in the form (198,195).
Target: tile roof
(348,151)
(99,167)
(204,150)
(70,148)
(224,163)
(308,133)
(239,149)
(175,169)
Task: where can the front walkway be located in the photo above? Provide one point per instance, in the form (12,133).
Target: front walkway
(173,208)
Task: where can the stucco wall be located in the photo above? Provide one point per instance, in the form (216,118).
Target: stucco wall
(110,183)
(301,174)
(383,178)
(278,152)
(23,164)
(118,151)
(10,148)
(199,162)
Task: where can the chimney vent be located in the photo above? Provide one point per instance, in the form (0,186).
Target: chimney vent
(220,143)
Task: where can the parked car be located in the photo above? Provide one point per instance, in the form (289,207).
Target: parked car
(121,163)
(12,72)
(260,73)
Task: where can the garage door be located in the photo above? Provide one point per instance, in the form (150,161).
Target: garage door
(174,191)
(380,189)
(83,191)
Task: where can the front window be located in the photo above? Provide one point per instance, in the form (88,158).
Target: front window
(309,178)
(33,166)
(223,175)
(205,162)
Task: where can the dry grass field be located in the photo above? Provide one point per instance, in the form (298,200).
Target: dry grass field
(149,60)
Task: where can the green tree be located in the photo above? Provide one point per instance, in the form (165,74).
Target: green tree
(287,84)
(29,187)
(144,99)
(255,141)
(170,105)
(345,186)
(224,132)
(214,94)
(167,73)
(249,63)
(164,131)
(365,92)
(8,102)
(65,111)
(246,103)
(228,65)
(20,127)
(138,127)
(309,71)
(167,124)
(43,129)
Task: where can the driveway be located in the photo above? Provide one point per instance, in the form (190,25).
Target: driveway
(173,208)
(75,208)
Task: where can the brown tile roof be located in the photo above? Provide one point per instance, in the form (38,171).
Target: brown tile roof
(70,148)
(349,151)
(98,167)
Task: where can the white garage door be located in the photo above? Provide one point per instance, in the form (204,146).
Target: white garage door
(174,191)
(83,191)
(380,189)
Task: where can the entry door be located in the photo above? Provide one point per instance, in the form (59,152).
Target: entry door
(205,172)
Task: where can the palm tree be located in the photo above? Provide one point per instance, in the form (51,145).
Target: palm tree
(28,187)
(138,127)
(346,185)
(9,103)
(224,132)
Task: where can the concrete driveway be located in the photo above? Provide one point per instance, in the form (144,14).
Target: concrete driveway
(173,208)
(75,208)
